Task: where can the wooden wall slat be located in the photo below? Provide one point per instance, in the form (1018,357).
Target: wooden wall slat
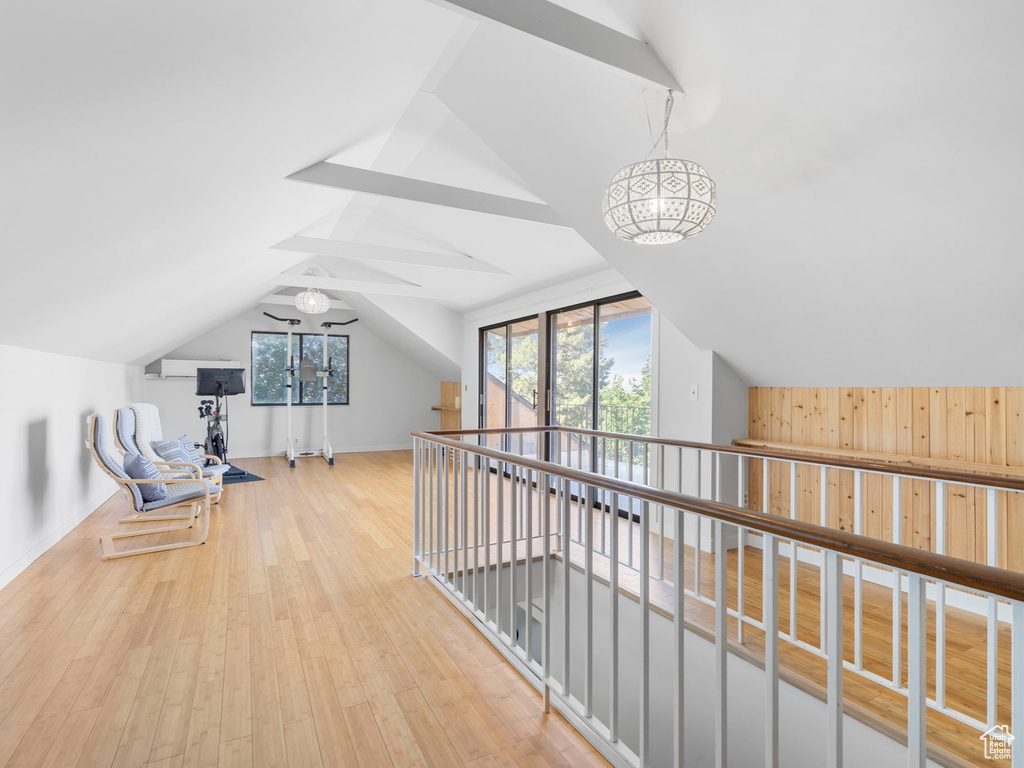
(1014,457)
(975,424)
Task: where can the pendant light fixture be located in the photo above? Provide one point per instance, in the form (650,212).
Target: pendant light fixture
(662,200)
(312,302)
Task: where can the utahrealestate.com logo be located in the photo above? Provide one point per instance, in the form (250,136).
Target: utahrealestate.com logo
(998,742)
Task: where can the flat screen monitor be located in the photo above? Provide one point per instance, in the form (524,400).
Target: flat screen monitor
(220,381)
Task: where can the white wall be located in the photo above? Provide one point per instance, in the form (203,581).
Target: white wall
(49,481)
(389,394)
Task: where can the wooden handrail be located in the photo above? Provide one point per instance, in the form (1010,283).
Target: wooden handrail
(926,473)
(963,573)
(894,459)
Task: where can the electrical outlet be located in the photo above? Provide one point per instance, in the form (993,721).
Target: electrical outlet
(693,391)
(296,441)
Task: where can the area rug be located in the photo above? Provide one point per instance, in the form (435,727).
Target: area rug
(248,477)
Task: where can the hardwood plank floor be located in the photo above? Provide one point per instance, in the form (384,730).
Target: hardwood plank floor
(295,636)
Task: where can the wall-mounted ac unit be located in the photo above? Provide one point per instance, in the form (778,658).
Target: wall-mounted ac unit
(167,368)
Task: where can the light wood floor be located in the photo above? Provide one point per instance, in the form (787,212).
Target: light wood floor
(294,637)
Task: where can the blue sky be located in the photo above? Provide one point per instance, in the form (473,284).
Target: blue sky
(629,344)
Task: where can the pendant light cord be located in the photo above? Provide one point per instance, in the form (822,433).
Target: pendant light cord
(669,101)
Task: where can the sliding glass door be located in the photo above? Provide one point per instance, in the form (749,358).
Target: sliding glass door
(509,387)
(601,380)
(601,366)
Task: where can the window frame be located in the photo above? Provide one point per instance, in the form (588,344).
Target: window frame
(550,372)
(297,403)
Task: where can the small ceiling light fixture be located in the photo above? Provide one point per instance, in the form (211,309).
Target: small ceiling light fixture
(312,302)
(662,200)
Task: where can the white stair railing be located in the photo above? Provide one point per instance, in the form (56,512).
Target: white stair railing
(509,539)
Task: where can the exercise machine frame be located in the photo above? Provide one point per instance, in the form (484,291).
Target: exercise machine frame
(324,375)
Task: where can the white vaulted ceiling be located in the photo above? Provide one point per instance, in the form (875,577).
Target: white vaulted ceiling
(867,157)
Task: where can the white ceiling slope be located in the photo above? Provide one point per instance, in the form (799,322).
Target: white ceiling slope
(867,158)
(145,146)
(868,166)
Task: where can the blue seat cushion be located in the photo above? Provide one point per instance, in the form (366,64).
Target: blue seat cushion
(140,468)
(178,493)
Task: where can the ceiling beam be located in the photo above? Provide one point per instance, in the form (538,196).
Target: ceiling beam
(325,247)
(355,286)
(574,33)
(388,185)
(289,301)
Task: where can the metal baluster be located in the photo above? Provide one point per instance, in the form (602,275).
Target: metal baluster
(858,579)
(566,583)
(770,579)
(832,565)
(528,633)
(514,556)
(792,551)
(588,649)
(431,497)
(417,511)
(604,497)
(697,543)
(897,602)
(545,525)
(645,471)
(661,513)
(579,494)
(721,649)
(457,516)
(476,530)
(678,636)
(613,590)
(742,551)
(487,535)
(917,616)
(629,530)
(822,575)
(500,564)
(447,513)
(645,632)
(940,598)
(463,471)
(1017,672)
(992,644)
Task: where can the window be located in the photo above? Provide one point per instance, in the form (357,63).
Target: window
(601,353)
(270,358)
(508,381)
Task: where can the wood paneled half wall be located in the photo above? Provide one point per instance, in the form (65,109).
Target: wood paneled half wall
(951,428)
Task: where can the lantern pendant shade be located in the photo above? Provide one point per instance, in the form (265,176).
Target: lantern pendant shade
(312,302)
(660,201)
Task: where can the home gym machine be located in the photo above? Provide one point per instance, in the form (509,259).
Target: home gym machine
(307,373)
(221,383)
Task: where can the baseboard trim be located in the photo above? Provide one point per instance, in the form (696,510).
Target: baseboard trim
(345,449)
(12,571)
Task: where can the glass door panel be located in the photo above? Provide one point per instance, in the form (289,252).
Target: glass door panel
(624,396)
(572,381)
(523,391)
(494,387)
